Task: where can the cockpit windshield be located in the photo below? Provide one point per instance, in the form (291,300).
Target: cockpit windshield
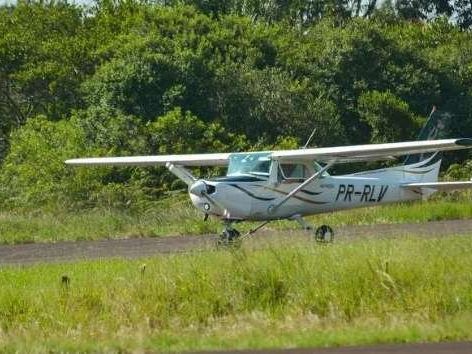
(253,164)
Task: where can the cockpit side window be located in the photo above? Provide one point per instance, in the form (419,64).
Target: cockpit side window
(293,171)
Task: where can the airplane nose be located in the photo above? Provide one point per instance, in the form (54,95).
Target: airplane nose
(200,188)
(205,198)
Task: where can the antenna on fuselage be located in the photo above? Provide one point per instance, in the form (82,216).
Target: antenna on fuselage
(309,138)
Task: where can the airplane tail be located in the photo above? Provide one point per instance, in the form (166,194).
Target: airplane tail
(426,166)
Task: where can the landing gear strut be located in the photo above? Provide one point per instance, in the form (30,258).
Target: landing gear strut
(323,234)
(232,237)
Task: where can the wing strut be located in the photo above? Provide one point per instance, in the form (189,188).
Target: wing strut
(182,173)
(273,208)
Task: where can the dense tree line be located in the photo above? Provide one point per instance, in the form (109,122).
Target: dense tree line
(176,76)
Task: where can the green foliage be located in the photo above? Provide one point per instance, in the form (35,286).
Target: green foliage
(43,59)
(460,172)
(421,9)
(388,117)
(189,76)
(34,170)
(268,103)
(464,12)
(34,173)
(112,131)
(182,133)
(140,79)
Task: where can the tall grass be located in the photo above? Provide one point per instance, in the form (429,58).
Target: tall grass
(176,216)
(406,289)
(164,218)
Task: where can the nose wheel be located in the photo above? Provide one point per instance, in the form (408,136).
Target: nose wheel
(229,238)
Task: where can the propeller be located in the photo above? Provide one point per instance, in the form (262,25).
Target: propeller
(199,188)
(202,189)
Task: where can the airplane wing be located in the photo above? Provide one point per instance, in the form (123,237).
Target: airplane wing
(339,154)
(372,152)
(439,186)
(220,159)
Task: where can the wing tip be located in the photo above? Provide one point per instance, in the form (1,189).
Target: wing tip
(77,162)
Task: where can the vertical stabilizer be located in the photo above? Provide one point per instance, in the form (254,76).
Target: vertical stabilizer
(425,167)
(435,128)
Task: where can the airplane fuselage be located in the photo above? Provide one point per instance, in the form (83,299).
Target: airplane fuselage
(252,199)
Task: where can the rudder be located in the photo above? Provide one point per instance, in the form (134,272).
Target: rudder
(435,128)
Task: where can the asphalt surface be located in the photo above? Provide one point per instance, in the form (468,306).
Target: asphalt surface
(427,348)
(144,247)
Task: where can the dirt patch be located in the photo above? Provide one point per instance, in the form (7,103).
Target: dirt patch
(423,348)
(143,247)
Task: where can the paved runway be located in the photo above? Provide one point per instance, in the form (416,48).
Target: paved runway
(427,348)
(143,247)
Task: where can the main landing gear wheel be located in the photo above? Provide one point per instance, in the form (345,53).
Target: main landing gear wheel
(324,234)
(229,238)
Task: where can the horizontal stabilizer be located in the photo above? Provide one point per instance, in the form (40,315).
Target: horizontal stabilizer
(439,186)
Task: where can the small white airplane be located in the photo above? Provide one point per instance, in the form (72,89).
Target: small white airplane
(291,184)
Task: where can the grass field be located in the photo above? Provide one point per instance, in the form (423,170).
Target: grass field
(176,216)
(285,295)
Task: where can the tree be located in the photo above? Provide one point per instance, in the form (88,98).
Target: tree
(34,78)
(463,8)
(34,172)
(363,8)
(136,81)
(179,132)
(388,117)
(298,13)
(214,8)
(423,9)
